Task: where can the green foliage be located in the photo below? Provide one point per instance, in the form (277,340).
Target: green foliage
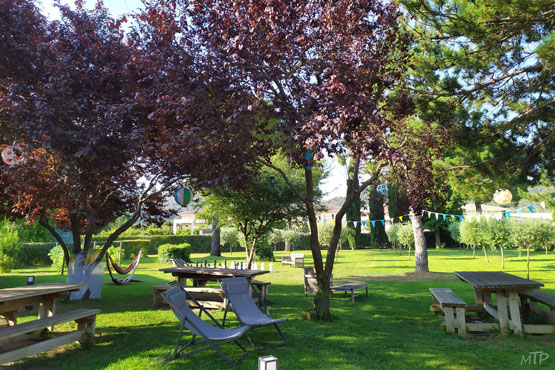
(56,255)
(455,232)
(496,234)
(532,233)
(325,233)
(198,243)
(35,254)
(293,237)
(229,238)
(167,252)
(470,233)
(10,248)
(264,253)
(393,234)
(405,235)
(276,237)
(130,247)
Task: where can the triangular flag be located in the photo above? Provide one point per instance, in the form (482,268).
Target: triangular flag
(444,216)
(325,221)
(363,223)
(542,204)
(499,216)
(508,215)
(429,214)
(452,216)
(391,220)
(469,218)
(460,218)
(519,211)
(478,218)
(487,217)
(383,222)
(373,223)
(436,215)
(401,218)
(531,209)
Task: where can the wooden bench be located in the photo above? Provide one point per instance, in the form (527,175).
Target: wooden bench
(209,298)
(14,339)
(453,307)
(263,287)
(295,259)
(531,298)
(345,287)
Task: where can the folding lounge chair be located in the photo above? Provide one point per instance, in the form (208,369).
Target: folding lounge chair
(215,336)
(239,297)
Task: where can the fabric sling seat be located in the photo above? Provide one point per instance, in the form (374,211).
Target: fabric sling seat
(215,336)
(239,297)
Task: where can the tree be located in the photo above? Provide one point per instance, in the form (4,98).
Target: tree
(531,234)
(406,236)
(492,63)
(110,122)
(353,213)
(497,234)
(256,209)
(326,68)
(470,234)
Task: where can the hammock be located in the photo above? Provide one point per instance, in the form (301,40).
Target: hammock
(132,267)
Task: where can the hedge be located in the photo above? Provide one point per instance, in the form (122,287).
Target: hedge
(198,243)
(167,252)
(35,254)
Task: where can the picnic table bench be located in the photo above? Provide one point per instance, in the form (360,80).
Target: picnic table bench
(295,259)
(530,299)
(453,307)
(345,287)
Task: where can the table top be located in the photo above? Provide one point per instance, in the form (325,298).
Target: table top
(12,294)
(207,272)
(496,280)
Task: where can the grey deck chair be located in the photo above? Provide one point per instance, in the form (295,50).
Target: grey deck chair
(214,336)
(239,297)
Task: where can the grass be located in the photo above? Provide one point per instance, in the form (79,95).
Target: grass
(391,329)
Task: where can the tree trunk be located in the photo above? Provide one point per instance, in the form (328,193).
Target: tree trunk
(438,239)
(420,252)
(502,259)
(409,254)
(288,242)
(527,263)
(478,206)
(485,254)
(215,248)
(474,252)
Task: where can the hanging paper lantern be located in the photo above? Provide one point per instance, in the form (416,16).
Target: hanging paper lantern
(502,196)
(382,189)
(183,196)
(12,155)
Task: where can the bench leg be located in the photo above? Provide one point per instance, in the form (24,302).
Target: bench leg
(461,322)
(515,313)
(89,324)
(504,324)
(449,320)
(353,295)
(47,309)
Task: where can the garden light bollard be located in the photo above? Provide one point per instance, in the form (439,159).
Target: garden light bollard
(262,266)
(255,266)
(271,267)
(267,363)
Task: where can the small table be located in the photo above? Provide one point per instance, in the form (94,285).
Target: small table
(344,287)
(12,299)
(503,285)
(204,274)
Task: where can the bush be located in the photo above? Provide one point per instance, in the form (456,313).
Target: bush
(35,254)
(454,231)
(264,253)
(198,243)
(167,252)
(393,234)
(10,248)
(56,255)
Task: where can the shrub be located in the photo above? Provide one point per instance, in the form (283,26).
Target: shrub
(198,243)
(405,235)
(167,252)
(393,234)
(56,255)
(35,253)
(264,253)
(454,230)
(10,247)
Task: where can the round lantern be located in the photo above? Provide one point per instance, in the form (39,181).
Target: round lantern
(502,196)
(382,189)
(12,155)
(183,196)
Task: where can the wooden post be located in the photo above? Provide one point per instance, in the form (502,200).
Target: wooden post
(504,324)
(515,313)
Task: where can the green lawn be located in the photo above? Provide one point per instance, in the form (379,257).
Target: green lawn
(391,329)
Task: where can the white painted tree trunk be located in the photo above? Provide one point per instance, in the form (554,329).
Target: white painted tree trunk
(420,252)
(78,273)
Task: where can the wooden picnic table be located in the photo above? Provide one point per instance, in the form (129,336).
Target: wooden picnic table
(204,274)
(12,299)
(504,286)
